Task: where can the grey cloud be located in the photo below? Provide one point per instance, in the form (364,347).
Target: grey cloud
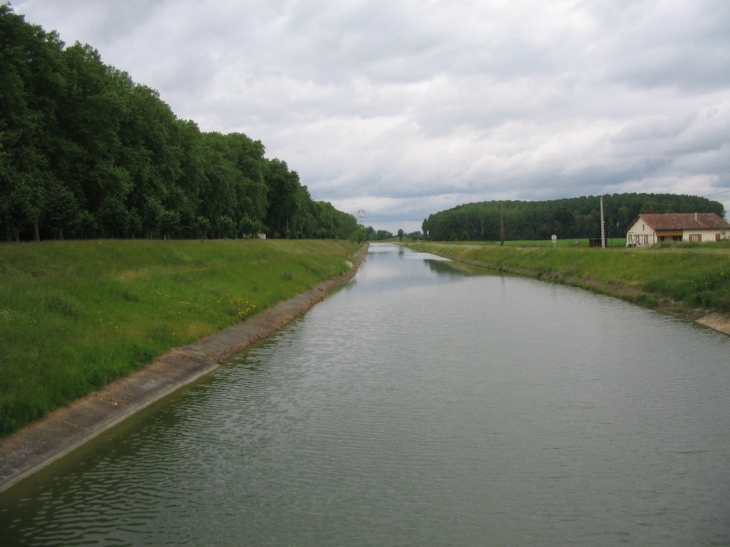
(104,21)
(653,127)
(413,106)
(675,44)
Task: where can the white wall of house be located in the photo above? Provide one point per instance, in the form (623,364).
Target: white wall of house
(640,234)
(705,235)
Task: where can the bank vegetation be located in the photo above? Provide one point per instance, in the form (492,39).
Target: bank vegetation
(566,218)
(683,279)
(86,152)
(75,315)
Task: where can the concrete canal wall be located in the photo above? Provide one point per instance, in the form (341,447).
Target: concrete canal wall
(49,438)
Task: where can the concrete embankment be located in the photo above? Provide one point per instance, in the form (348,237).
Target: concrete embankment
(60,432)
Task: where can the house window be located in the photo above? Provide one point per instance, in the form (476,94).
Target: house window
(646,240)
(695,237)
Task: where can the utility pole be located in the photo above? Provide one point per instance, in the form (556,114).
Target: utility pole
(603,228)
(501,224)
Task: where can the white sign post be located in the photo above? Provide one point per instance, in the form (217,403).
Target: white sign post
(555,239)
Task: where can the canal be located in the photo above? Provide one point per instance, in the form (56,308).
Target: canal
(425,403)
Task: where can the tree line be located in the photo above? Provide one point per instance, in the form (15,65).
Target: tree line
(567,218)
(86,152)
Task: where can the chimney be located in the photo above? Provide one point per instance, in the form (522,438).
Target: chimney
(695,216)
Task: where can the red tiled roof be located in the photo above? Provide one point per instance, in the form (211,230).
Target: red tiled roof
(684,221)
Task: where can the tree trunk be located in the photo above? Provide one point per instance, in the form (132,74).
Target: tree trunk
(36,232)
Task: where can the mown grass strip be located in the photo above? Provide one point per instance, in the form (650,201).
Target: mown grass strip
(681,279)
(75,315)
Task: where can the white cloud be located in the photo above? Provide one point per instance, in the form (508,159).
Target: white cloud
(406,107)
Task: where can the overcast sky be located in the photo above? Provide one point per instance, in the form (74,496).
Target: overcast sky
(405,108)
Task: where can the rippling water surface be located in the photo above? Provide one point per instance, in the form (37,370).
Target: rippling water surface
(423,404)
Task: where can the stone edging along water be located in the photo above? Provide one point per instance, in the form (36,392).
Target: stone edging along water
(65,429)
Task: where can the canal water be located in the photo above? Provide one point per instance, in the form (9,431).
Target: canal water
(425,403)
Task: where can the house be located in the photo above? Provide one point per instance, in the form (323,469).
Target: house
(649,229)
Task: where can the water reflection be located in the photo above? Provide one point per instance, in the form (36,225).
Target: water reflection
(413,269)
(423,405)
(454,269)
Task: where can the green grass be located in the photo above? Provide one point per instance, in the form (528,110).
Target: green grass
(657,276)
(75,315)
(696,245)
(529,243)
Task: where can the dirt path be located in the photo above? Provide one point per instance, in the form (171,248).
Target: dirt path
(49,438)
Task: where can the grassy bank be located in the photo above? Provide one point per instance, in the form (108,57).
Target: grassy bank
(76,315)
(531,243)
(683,280)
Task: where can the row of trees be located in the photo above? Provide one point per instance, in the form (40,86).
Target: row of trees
(567,218)
(370,234)
(86,152)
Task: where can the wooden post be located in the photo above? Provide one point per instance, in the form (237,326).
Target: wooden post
(501,224)
(603,228)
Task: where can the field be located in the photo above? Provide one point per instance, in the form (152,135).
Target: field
(685,279)
(582,243)
(75,315)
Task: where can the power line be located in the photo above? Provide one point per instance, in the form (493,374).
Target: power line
(711,195)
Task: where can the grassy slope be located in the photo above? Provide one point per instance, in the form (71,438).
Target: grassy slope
(75,315)
(678,280)
(583,242)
